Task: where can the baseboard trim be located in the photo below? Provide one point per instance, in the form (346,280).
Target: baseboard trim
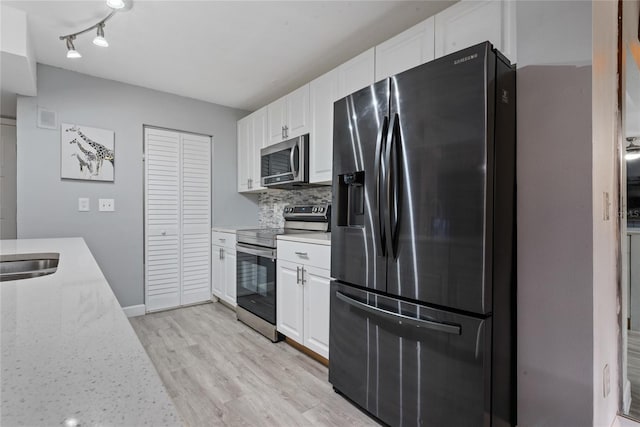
(134,310)
(626,397)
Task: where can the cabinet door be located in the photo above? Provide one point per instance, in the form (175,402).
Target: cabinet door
(471,22)
(323,93)
(408,49)
(230,276)
(218,278)
(289,300)
(162,219)
(316,284)
(196,218)
(297,122)
(356,73)
(276,112)
(260,138)
(245,137)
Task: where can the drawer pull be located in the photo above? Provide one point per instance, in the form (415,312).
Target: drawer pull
(301,254)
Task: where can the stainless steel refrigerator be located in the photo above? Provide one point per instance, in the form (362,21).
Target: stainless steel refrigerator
(422,325)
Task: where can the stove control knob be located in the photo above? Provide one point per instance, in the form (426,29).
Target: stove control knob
(315,210)
(321,210)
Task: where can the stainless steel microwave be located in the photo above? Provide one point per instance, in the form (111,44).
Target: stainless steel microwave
(285,164)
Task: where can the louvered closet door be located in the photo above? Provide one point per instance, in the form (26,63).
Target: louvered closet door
(196,218)
(162,219)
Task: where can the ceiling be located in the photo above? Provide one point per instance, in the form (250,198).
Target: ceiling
(242,54)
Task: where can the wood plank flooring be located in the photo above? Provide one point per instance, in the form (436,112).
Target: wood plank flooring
(633,371)
(220,372)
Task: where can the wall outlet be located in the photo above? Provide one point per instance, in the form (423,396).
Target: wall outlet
(106,205)
(83,204)
(606,381)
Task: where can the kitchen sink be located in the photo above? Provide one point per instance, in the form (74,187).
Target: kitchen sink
(26,266)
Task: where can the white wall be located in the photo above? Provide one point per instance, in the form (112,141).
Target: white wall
(605,230)
(47,205)
(555,215)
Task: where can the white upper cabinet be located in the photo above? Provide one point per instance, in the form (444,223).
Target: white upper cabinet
(289,116)
(324,92)
(470,22)
(277,112)
(408,49)
(259,123)
(356,73)
(245,138)
(252,136)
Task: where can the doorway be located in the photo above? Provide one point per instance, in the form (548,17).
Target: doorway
(8,195)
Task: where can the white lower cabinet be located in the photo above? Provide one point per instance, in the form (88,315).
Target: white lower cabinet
(290,301)
(316,309)
(303,297)
(223,268)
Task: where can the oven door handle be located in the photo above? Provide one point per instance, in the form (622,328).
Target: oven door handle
(252,250)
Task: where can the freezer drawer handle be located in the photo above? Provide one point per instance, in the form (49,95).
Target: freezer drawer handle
(401,318)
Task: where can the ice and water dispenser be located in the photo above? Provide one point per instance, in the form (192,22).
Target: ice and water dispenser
(350,200)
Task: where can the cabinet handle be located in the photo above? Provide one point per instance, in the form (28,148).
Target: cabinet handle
(221,253)
(303,280)
(282,132)
(302,254)
(164,233)
(223,240)
(297,275)
(286,131)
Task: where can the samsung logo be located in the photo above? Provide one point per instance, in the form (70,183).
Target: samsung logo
(465,59)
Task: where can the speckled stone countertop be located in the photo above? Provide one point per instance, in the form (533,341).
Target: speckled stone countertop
(68,350)
(315,238)
(232,228)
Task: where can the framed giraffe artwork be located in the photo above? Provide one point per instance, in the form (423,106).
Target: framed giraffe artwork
(86,153)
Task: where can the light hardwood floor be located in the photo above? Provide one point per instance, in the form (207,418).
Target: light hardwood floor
(633,371)
(220,372)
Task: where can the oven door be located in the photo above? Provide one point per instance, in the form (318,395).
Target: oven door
(256,280)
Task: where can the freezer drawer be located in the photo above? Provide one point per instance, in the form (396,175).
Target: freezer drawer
(409,364)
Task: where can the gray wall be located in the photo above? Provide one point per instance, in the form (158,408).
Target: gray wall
(555,218)
(47,205)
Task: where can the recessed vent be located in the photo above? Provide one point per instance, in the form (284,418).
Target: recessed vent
(47,119)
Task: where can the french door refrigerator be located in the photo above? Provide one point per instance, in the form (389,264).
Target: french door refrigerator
(422,325)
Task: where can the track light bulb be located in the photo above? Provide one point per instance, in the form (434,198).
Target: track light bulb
(72,53)
(115,4)
(100,40)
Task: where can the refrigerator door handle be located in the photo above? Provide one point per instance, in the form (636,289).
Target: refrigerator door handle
(380,176)
(401,318)
(391,186)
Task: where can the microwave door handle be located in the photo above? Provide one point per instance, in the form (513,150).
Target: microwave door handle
(292,157)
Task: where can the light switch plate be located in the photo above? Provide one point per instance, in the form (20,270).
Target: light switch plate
(83,204)
(106,205)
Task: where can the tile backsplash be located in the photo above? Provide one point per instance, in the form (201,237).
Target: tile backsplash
(272,203)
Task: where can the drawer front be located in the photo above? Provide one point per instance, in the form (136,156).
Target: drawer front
(227,240)
(305,253)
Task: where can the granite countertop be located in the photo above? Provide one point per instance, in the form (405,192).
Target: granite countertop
(232,228)
(68,350)
(315,238)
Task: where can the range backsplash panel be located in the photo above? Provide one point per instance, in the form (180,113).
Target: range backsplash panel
(272,203)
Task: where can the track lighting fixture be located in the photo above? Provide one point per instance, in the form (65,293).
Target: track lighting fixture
(633,150)
(99,40)
(72,53)
(115,4)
